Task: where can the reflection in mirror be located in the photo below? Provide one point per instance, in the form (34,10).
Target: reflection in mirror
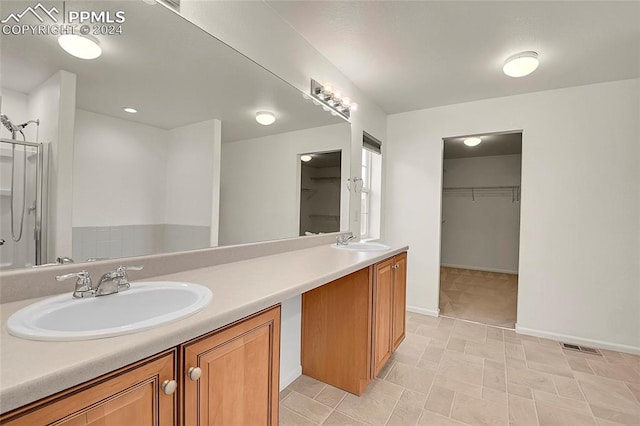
(190,168)
(320,185)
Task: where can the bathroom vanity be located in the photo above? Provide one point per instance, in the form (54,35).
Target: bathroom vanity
(353,319)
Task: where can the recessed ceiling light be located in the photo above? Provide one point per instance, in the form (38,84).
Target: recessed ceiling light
(472,141)
(265,118)
(130,110)
(80,46)
(305,158)
(521,64)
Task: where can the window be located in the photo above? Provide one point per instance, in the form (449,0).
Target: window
(370,196)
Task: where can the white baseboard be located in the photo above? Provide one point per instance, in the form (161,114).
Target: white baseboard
(417,310)
(288,378)
(579,340)
(478,268)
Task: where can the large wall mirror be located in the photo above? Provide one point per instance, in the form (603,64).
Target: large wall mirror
(192,168)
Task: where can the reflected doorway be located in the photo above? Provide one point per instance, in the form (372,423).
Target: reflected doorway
(480,231)
(320,180)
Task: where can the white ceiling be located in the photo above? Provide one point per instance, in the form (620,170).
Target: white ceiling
(408,55)
(173,72)
(493,144)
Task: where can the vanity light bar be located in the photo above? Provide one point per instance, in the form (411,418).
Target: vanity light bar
(331,98)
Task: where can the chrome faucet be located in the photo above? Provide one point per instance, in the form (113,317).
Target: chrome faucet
(343,239)
(83,288)
(109,283)
(115,281)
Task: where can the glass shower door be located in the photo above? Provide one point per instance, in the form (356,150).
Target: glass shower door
(20,174)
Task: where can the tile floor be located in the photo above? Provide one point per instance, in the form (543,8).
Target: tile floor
(485,297)
(452,372)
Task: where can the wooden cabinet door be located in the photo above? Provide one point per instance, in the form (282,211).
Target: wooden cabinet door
(383,291)
(239,382)
(399,299)
(336,332)
(130,396)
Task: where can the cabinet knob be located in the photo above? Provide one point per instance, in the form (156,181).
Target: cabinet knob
(169,386)
(194,373)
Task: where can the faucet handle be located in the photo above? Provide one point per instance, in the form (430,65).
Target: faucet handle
(83,283)
(122,279)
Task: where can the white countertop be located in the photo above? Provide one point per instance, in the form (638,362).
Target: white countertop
(31,370)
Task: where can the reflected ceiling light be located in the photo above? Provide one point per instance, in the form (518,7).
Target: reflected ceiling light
(521,64)
(332,99)
(130,110)
(472,141)
(80,46)
(305,158)
(265,118)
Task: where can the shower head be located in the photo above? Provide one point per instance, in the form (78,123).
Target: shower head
(7,123)
(13,128)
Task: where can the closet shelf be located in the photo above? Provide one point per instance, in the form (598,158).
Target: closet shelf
(329,178)
(483,191)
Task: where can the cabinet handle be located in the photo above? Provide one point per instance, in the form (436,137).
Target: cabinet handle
(169,386)
(395,266)
(194,373)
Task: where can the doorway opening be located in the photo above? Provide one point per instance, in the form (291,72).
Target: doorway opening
(320,178)
(480,230)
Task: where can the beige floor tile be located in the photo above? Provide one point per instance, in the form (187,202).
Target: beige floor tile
(461,370)
(635,390)
(306,407)
(387,367)
(330,396)
(458,356)
(429,418)
(408,410)
(522,411)
(413,378)
(574,405)
(531,379)
(470,332)
(495,333)
(607,393)
(494,379)
(476,411)
(491,350)
(440,400)
(519,390)
(284,393)
(432,354)
(497,365)
(494,395)
(567,388)
(514,350)
(579,364)
(516,363)
(620,371)
(289,418)
(338,419)
(456,344)
(560,368)
(631,419)
(306,386)
(458,386)
(554,416)
(375,405)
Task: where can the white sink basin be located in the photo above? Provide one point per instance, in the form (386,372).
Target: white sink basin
(363,247)
(145,305)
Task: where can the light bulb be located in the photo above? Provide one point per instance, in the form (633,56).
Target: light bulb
(521,64)
(265,118)
(474,141)
(80,46)
(130,110)
(353,106)
(306,158)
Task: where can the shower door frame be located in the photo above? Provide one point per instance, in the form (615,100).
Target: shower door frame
(38,234)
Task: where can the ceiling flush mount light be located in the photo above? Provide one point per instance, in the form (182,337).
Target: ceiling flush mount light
(306,158)
(332,99)
(130,110)
(472,141)
(80,46)
(265,118)
(521,64)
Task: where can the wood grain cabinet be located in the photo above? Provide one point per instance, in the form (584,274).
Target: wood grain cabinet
(130,396)
(227,377)
(351,326)
(231,377)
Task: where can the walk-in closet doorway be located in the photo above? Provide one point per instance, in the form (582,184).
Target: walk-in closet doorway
(480,230)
